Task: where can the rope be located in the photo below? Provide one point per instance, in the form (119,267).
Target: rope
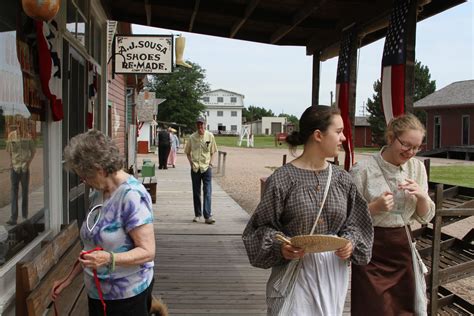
(96,280)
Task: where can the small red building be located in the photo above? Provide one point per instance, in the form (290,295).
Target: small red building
(363,133)
(449,117)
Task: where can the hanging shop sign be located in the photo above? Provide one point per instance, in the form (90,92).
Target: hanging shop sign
(137,54)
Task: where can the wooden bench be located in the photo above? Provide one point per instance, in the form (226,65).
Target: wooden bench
(34,278)
(150,184)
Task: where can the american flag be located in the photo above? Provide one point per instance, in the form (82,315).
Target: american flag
(342,93)
(393,61)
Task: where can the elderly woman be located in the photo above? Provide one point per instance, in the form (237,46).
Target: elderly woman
(118,237)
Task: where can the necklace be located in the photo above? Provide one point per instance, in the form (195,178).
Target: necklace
(96,220)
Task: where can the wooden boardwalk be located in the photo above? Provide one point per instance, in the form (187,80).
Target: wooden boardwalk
(203,269)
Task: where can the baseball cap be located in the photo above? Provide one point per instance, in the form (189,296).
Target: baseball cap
(201,120)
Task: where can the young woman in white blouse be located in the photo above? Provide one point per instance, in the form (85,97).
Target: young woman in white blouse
(395,185)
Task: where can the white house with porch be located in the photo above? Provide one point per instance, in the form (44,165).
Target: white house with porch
(223,111)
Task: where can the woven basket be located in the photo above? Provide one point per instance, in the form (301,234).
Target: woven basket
(318,243)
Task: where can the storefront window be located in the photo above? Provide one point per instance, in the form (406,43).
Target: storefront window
(76,20)
(22,142)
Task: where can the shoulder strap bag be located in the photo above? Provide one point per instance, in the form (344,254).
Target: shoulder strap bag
(286,284)
(419,267)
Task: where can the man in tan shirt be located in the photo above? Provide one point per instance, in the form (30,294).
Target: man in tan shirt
(200,150)
(21,148)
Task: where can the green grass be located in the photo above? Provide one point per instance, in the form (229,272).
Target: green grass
(259,142)
(454,175)
(366,149)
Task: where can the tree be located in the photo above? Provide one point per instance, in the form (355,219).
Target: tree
(291,119)
(254,113)
(423,87)
(182,89)
(376,118)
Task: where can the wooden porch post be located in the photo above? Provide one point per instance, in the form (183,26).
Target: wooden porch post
(316,76)
(410,57)
(353,87)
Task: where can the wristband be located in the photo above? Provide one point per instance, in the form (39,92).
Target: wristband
(112,261)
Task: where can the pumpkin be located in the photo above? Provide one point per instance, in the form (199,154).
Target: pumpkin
(42,10)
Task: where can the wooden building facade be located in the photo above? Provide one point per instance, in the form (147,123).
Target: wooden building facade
(449,116)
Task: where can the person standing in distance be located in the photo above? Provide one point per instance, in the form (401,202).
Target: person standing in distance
(164,147)
(200,150)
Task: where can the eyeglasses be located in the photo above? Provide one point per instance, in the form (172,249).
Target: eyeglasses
(407,147)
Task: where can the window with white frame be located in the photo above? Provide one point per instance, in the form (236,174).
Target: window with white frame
(77,23)
(233,99)
(233,128)
(220,99)
(233,113)
(205,99)
(220,113)
(23,142)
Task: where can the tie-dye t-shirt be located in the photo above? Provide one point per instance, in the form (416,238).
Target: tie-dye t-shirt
(129,207)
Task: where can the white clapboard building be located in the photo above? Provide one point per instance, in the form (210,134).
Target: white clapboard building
(223,111)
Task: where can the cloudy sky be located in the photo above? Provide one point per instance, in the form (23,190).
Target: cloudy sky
(279,77)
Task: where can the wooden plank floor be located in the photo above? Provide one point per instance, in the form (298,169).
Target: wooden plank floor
(202,269)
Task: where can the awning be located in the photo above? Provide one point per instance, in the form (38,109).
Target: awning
(314,24)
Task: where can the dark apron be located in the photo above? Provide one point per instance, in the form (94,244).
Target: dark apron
(386,285)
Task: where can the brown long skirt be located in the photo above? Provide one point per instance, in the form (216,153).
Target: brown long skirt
(386,285)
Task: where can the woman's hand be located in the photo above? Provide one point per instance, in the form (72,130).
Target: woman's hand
(384,203)
(289,252)
(412,188)
(61,285)
(344,252)
(95,260)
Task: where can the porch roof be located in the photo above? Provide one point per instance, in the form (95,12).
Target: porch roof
(314,24)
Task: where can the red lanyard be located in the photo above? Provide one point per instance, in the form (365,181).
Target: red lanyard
(96,279)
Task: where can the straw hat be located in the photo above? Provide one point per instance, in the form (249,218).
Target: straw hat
(315,243)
